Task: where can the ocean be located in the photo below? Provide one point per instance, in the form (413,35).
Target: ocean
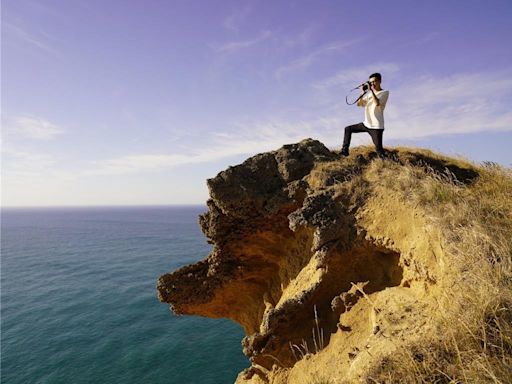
(79,301)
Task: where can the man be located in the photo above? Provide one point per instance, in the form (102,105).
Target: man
(374,102)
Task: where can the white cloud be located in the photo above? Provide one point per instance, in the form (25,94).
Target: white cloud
(247,138)
(307,60)
(31,127)
(302,38)
(25,167)
(421,106)
(237,45)
(418,107)
(137,163)
(349,78)
(157,162)
(460,103)
(28,162)
(21,34)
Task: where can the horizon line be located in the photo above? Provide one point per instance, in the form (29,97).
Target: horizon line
(2,207)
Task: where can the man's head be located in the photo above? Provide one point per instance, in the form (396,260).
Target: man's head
(374,80)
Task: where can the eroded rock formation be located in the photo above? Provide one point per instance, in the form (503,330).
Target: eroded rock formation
(288,243)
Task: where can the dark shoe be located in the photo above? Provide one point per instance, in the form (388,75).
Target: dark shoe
(381,154)
(344,152)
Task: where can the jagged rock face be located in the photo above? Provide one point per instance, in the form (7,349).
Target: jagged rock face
(256,254)
(283,251)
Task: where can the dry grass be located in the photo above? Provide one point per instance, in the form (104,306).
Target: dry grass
(473,343)
(474,339)
(302,350)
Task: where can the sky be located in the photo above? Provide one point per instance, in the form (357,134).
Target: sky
(114,102)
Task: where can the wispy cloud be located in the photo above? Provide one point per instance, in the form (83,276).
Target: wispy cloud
(31,127)
(349,77)
(417,108)
(137,163)
(232,21)
(307,60)
(30,38)
(242,44)
(245,138)
(460,103)
(406,42)
(218,149)
(427,106)
(427,38)
(302,38)
(421,106)
(23,162)
(26,162)
(27,166)
(252,137)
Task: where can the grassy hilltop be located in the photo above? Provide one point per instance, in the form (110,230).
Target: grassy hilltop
(470,319)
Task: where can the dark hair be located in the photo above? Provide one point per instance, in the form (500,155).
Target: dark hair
(376,75)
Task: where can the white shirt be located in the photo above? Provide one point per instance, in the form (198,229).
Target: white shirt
(373,114)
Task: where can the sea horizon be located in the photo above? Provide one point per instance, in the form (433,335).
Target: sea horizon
(103,206)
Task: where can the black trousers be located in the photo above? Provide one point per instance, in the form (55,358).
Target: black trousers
(376,135)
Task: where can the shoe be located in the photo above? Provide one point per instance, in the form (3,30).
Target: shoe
(344,152)
(381,154)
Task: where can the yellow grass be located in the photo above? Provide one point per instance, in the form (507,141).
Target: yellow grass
(473,342)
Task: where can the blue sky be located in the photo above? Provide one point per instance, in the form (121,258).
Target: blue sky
(139,102)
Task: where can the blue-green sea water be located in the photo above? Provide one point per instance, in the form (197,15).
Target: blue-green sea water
(79,303)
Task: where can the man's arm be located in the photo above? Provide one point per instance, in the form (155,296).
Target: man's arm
(361,102)
(384,99)
(377,101)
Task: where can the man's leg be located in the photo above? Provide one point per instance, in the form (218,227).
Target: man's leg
(348,135)
(376,135)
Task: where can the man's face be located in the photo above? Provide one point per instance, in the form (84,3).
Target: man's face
(374,82)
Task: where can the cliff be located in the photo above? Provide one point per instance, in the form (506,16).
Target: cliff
(357,269)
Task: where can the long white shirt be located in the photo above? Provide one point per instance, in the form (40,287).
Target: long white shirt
(373,114)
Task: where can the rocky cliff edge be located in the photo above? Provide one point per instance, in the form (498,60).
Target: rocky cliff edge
(325,261)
